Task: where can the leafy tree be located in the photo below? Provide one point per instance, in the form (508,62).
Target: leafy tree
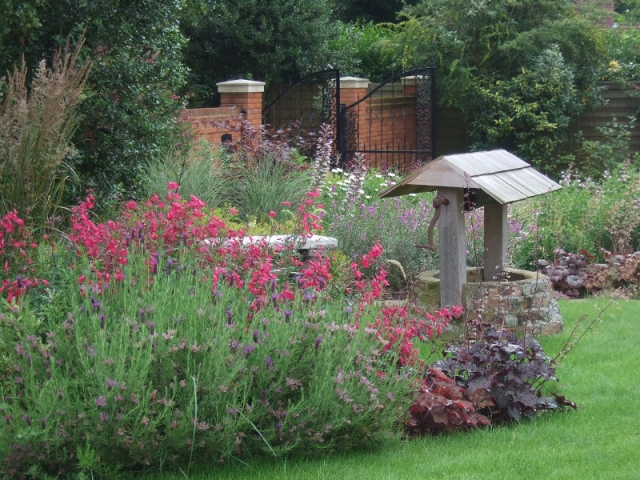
(376,11)
(518,69)
(627,12)
(365,50)
(130,110)
(272,41)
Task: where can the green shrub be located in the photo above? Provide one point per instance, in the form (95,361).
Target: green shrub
(131,110)
(583,215)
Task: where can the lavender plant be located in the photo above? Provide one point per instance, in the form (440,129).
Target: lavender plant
(401,227)
(170,354)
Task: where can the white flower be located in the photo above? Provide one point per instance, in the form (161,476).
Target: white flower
(391,174)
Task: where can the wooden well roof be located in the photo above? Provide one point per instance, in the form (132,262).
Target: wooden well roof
(498,173)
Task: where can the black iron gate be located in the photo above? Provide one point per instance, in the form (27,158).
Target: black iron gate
(393,124)
(303,106)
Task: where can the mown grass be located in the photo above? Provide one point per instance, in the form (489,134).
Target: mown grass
(599,440)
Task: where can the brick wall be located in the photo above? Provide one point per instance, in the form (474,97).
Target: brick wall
(238,98)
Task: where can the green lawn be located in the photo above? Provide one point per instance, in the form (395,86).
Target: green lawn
(600,440)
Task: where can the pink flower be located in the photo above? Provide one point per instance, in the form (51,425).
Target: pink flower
(286,204)
(131,205)
(173,186)
(272,214)
(233,211)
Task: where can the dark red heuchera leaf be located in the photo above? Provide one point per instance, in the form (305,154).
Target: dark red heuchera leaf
(440,406)
(482,398)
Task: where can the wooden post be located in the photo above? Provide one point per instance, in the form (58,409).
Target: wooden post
(453,248)
(495,241)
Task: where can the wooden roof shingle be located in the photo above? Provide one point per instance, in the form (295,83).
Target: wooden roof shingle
(500,174)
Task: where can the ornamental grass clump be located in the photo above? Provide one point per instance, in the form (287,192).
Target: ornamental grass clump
(182,346)
(38,118)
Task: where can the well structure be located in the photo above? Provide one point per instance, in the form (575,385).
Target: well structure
(490,180)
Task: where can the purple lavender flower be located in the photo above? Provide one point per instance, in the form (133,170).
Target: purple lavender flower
(142,315)
(111,383)
(27,419)
(43,423)
(229,317)
(152,328)
(318,341)
(94,303)
(100,401)
(248,349)
(101,322)
(256,334)
(104,416)
(269,362)
(287,315)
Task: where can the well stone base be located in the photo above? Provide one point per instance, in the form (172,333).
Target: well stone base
(522,301)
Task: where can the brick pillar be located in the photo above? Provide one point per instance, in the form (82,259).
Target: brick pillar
(246,95)
(409,86)
(353,89)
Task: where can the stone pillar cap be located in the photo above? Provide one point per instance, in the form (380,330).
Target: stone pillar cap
(354,82)
(240,86)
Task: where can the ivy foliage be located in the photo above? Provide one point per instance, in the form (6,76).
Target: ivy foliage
(130,109)
(518,70)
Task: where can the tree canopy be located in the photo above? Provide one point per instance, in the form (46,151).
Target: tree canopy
(520,70)
(273,41)
(130,110)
